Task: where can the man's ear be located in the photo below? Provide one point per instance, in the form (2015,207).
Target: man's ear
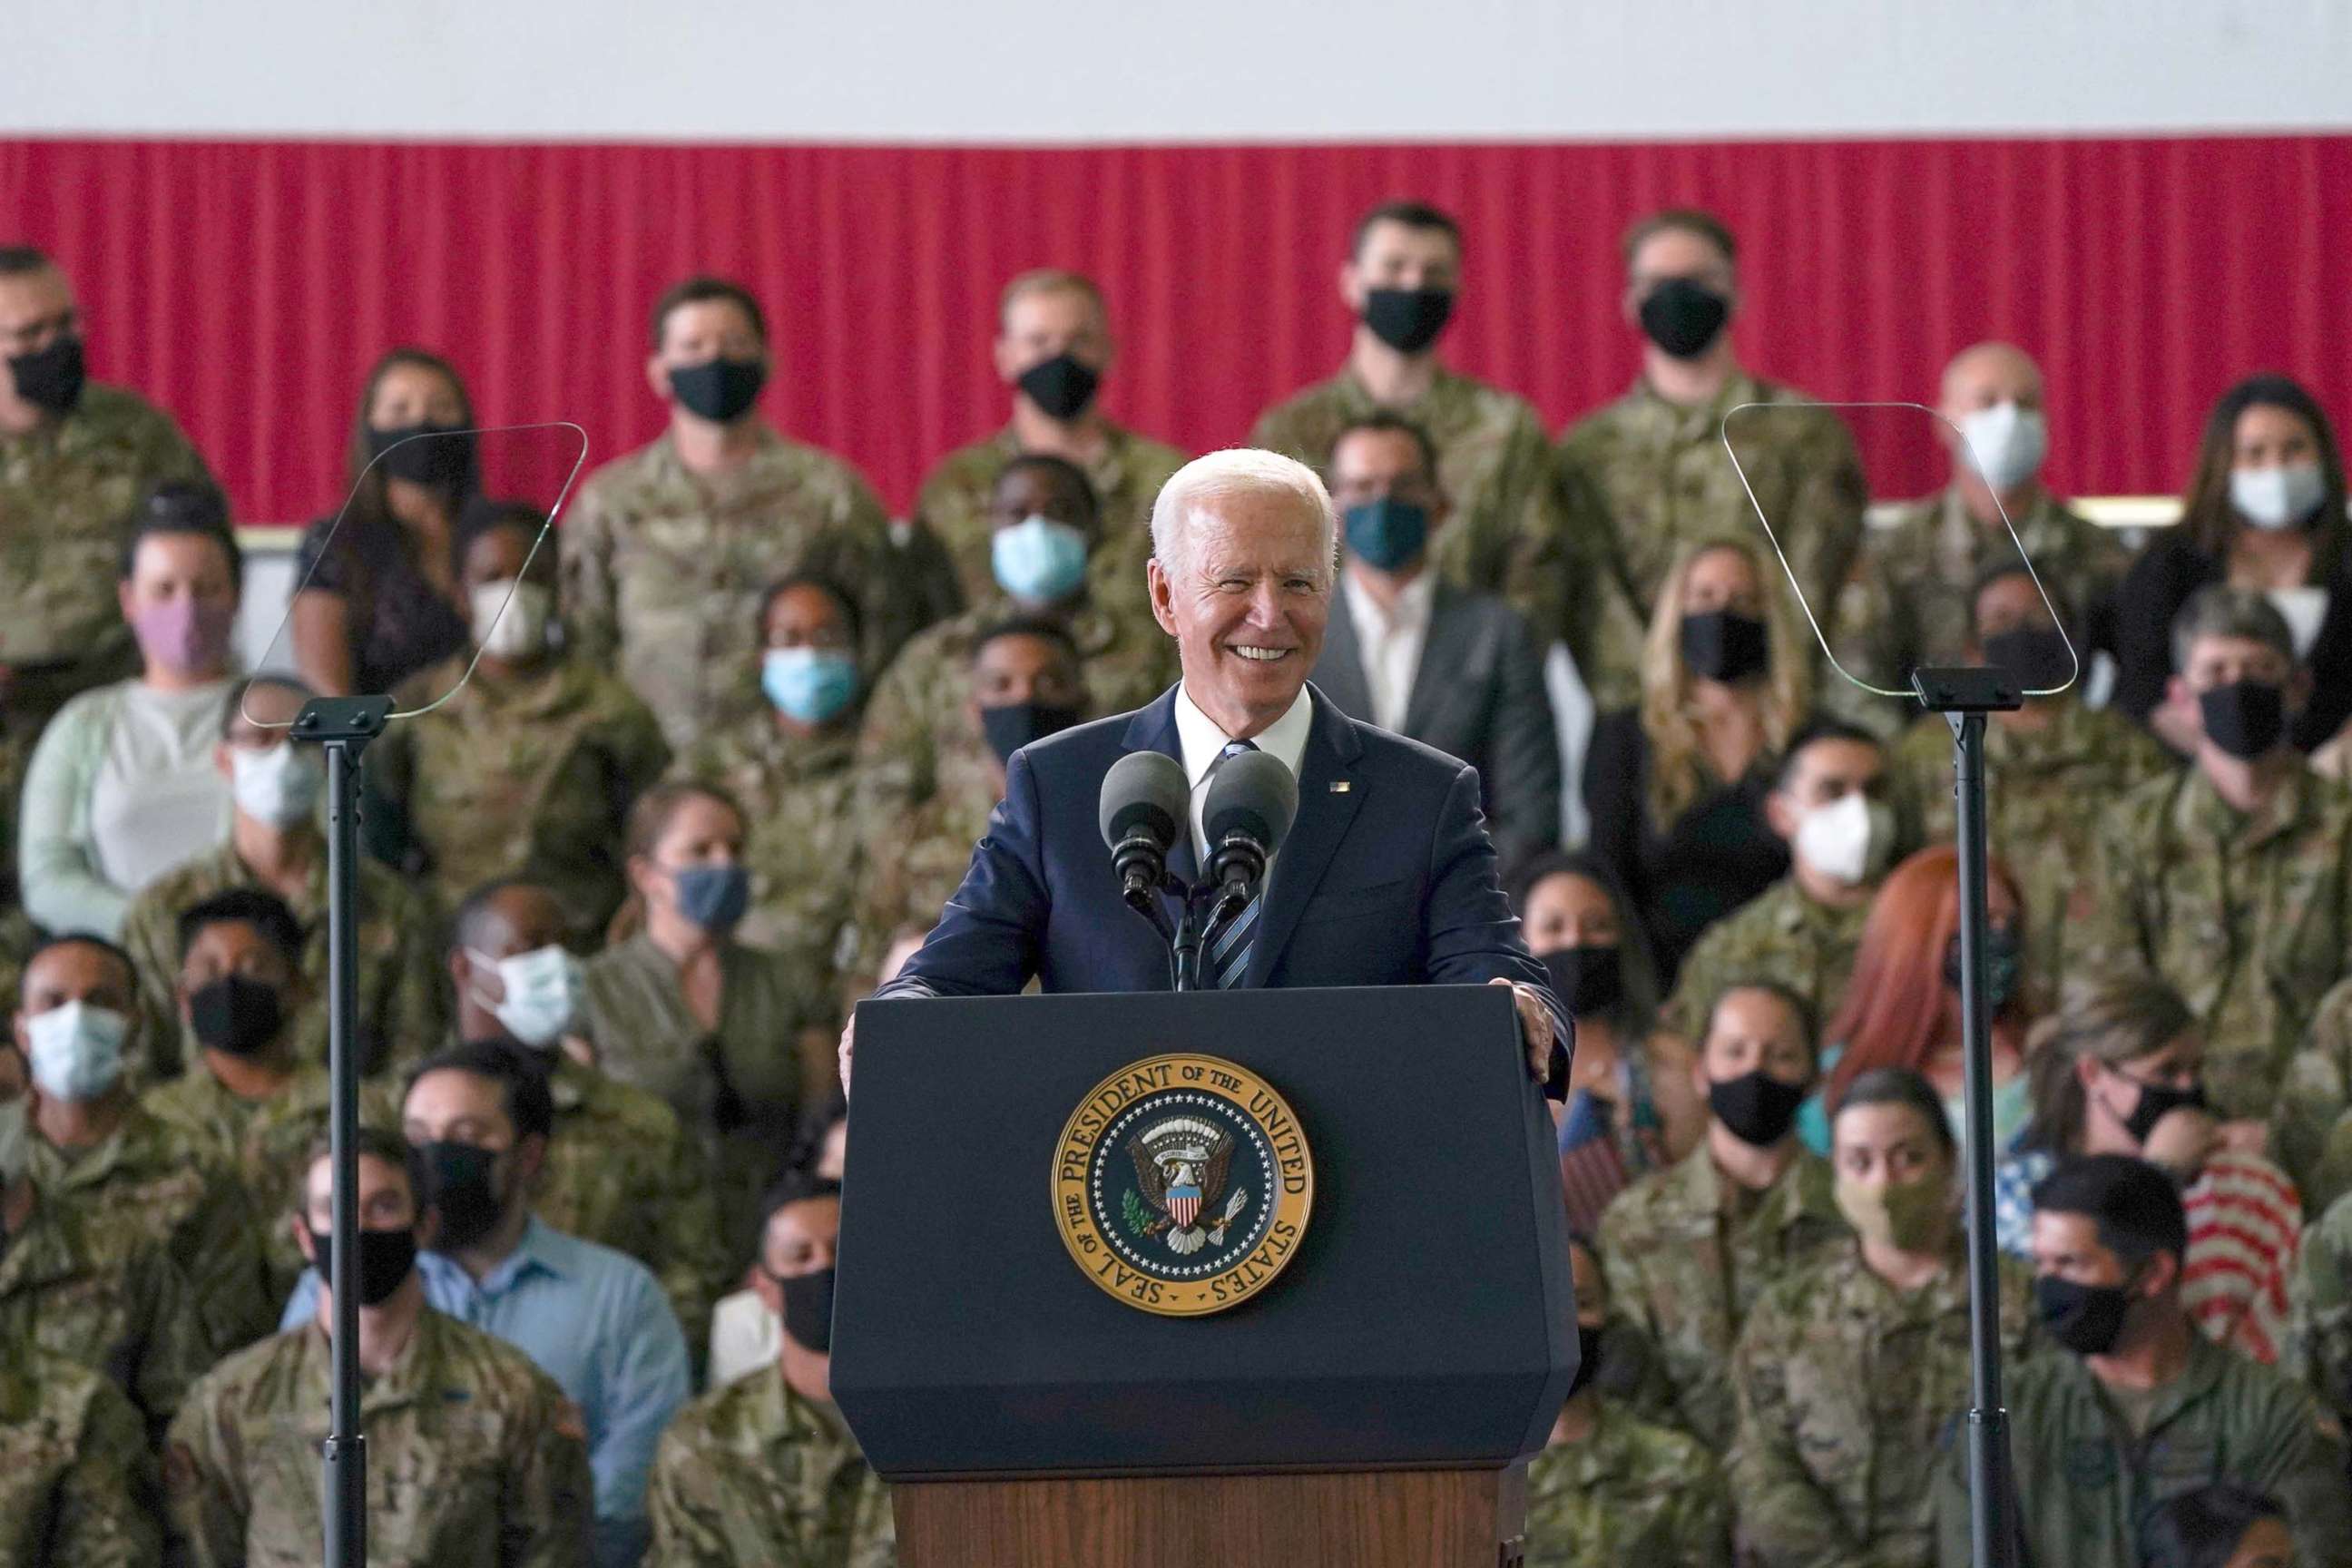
(530,1158)
(1781,815)
(1163,594)
(2177,692)
(1351,291)
(303,1244)
(657,377)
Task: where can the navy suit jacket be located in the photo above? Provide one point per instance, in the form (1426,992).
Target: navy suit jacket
(1387,878)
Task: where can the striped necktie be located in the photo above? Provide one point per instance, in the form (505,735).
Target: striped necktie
(1229,958)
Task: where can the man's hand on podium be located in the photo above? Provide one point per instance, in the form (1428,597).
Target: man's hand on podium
(848,1040)
(1535,1023)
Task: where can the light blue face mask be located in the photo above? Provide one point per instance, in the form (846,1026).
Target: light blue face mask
(809,685)
(1039,560)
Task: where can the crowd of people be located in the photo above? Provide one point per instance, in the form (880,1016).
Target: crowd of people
(723,754)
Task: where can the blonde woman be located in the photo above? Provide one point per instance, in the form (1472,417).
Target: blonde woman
(1674,788)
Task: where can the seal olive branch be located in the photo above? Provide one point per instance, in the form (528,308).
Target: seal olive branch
(1139,1218)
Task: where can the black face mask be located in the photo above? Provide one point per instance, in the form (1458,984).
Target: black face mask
(1588,1359)
(721,390)
(2036,657)
(1016,724)
(53,377)
(464,1192)
(1061,388)
(2003,963)
(1408,320)
(808,1309)
(1586,980)
(1683,316)
(1758,1107)
(1724,645)
(440,456)
(387,1258)
(2245,718)
(2086,1319)
(2156,1102)
(235,1015)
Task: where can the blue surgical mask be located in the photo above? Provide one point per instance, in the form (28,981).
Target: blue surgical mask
(1387,533)
(809,685)
(1039,560)
(713,896)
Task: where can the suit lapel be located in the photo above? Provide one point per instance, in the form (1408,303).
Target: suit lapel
(1438,654)
(1332,753)
(1339,672)
(1153,728)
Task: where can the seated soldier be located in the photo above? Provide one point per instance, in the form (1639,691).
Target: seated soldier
(2232,879)
(2220,1526)
(79,1486)
(620,1169)
(2134,1405)
(534,762)
(592,1319)
(791,765)
(1613,1489)
(747,1330)
(137,1181)
(762,1471)
(1690,1248)
(274,846)
(1027,680)
(249,1099)
(1829,803)
(2045,763)
(482,1451)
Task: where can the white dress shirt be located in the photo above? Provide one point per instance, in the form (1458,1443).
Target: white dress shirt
(1204,744)
(1390,642)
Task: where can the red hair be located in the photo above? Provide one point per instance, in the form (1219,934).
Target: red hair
(1897,1006)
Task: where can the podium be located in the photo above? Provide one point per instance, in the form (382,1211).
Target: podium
(1369,1403)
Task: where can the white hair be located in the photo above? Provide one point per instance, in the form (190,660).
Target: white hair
(1199,485)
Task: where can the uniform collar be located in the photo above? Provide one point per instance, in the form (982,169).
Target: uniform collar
(2201,810)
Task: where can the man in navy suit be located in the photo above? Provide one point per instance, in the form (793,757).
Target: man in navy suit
(1387,876)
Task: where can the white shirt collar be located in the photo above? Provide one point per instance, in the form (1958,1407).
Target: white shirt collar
(1412,605)
(1204,742)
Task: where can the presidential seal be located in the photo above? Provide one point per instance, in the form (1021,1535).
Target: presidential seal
(1181,1184)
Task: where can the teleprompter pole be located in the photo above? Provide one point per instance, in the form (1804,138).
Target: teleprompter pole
(1964,697)
(342,726)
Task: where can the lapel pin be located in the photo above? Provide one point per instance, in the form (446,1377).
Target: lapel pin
(1338,786)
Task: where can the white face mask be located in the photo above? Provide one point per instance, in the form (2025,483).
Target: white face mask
(520,630)
(2008,442)
(279,786)
(76,1051)
(1846,840)
(543,991)
(2277,498)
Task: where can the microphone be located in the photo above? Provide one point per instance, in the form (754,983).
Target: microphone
(1145,804)
(1251,802)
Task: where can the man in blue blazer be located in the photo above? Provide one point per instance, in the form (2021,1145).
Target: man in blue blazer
(1387,878)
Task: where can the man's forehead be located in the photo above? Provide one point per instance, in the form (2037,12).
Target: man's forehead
(375,1174)
(1376,452)
(1393,236)
(451,1091)
(1256,526)
(2056,1230)
(810,1219)
(2247,651)
(29,297)
(71,965)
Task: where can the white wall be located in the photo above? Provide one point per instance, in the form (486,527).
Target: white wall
(1030,71)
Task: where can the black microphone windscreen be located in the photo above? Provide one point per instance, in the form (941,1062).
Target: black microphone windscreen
(1145,790)
(1252,794)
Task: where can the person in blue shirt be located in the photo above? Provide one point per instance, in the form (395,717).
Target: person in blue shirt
(592,1319)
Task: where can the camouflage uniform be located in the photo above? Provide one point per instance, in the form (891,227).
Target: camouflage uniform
(531,775)
(2250,919)
(474,1457)
(1781,934)
(2311,1135)
(78,1485)
(664,570)
(1494,463)
(2035,814)
(264,1142)
(2084,1490)
(754,1474)
(1910,598)
(805,853)
(2318,1352)
(122,1311)
(148,1186)
(1844,1384)
(1688,1253)
(919,709)
(67,489)
(1629,1493)
(742,1089)
(403,1001)
(917,859)
(1656,479)
(1127,477)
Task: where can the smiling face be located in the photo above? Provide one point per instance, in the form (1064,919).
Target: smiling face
(1247,599)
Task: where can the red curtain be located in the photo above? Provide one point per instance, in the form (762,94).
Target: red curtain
(248,285)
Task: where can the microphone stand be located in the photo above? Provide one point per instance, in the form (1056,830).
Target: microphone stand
(1964,697)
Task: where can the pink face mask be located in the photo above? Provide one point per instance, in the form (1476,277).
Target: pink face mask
(186,633)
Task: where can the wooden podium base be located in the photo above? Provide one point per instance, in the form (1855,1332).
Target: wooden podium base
(1366,1518)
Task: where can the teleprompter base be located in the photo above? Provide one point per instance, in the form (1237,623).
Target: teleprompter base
(1364,1518)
